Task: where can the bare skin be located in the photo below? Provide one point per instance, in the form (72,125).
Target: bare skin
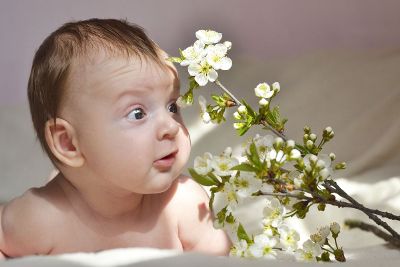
(121,145)
(176,219)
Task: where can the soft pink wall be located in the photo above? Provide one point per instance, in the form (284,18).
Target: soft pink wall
(258,29)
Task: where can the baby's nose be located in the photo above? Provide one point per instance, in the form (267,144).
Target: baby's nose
(168,128)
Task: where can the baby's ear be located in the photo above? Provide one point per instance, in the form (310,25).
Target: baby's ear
(63,143)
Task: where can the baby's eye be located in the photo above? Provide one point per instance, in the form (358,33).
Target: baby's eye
(136,114)
(173,108)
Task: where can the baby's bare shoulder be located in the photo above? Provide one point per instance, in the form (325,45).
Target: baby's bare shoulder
(26,221)
(195,219)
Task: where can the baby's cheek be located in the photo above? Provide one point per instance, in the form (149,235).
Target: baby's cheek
(185,148)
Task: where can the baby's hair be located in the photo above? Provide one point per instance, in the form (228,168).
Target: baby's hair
(71,42)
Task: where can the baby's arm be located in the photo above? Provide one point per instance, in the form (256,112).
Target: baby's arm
(23,227)
(195,222)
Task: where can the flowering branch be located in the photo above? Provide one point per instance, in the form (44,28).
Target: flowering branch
(278,168)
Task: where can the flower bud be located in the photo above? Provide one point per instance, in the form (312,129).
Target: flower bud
(324,231)
(332,156)
(295,154)
(307,129)
(238,125)
(309,144)
(236,115)
(206,117)
(276,86)
(340,166)
(263,102)
(278,142)
(228,151)
(328,129)
(324,173)
(242,109)
(320,163)
(290,143)
(313,159)
(228,45)
(335,228)
(313,137)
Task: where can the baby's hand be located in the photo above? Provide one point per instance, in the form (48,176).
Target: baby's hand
(2,257)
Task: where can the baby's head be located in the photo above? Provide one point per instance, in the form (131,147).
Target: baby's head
(103,104)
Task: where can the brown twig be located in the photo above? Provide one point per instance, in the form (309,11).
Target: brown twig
(336,189)
(375,230)
(342,193)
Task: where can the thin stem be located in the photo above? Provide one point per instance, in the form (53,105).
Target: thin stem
(237,102)
(327,250)
(277,133)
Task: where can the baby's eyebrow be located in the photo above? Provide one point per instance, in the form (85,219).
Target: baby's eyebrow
(133,92)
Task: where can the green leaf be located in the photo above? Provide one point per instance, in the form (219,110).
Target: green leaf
(181,53)
(192,83)
(201,179)
(241,234)
(254,157)
(214,178)
(243,130)
(244,167)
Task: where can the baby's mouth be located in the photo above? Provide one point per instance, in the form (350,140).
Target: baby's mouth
(165,163)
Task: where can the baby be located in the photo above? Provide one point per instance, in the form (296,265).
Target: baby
(103,103)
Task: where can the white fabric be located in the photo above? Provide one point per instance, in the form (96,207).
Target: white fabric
(366,257)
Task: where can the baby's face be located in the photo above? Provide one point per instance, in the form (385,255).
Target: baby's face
(129,128)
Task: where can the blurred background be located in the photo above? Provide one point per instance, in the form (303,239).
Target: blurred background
(338,63)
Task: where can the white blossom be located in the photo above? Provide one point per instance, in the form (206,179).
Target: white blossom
(309,252)
(273,213)
(223,164)
(246,184)
(288,237)
(227,197)
(194,54)
(263,90)
(240,249)
(216,57)
(263,247)
(208,36)
(202,165)
(202,72)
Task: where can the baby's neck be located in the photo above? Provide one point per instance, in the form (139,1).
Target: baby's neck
(99,201)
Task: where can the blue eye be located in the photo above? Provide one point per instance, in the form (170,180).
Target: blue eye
(136,114)
(173,108)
